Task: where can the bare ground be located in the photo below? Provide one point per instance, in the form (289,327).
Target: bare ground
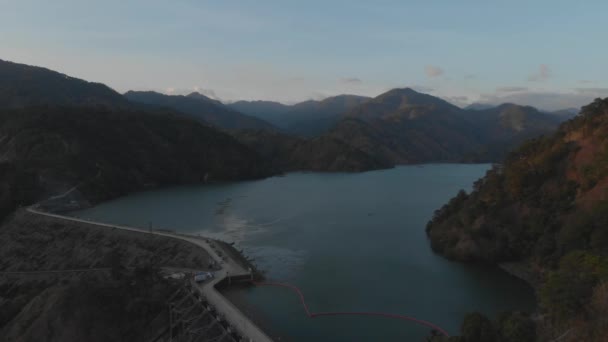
(90,306)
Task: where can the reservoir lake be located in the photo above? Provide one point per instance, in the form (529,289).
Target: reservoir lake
(350,242)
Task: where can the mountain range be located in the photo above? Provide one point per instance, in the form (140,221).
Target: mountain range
(341,133)
(541,213)
(404,126)
(57,131)
(307,119)
(201,108)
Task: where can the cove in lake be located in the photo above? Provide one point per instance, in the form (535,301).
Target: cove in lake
(351,242)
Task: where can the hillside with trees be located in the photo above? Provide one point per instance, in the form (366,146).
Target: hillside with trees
(325,154)
(59,132)
(108,153)
(403,126)
(545,209)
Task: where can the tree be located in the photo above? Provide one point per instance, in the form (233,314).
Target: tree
(516,327)
(477,328)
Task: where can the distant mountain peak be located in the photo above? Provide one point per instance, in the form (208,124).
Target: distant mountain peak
(400,92)
(479,106)
(197,95)
(511,105)
(401,103)
(409,96)
(148,92)
(202,108)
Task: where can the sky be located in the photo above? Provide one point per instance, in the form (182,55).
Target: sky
(551,54)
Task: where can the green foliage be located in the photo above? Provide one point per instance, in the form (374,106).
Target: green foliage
(110,152)
(541,206)
(587,230)
(516,327)
(569,288)
(289,153)
(478,328)
(511,326)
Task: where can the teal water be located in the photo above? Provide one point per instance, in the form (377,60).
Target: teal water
(351,242)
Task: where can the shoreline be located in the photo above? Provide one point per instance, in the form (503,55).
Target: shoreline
(521,270)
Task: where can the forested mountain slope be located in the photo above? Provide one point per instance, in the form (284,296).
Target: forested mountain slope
(110,152)
(545,207)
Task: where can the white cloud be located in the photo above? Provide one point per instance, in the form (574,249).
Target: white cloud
(546,100)
(351,80)
(597,92)
(511,89)
(433,71)
(542,74)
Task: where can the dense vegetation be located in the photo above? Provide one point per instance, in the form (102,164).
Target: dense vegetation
(403,126)
(508,327)
(324,153)
(110,152)
(545,207)
(57,132)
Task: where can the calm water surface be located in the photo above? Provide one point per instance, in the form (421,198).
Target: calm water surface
(351,242)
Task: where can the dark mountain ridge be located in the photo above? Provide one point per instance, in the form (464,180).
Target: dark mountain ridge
(108,153)
(403,126)
(268,111)
(112,147)
(201,108)
(24,85)
(308,119)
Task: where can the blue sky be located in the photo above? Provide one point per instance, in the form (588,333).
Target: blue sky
(546,53)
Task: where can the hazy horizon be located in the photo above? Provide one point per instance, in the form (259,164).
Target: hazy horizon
(475,52)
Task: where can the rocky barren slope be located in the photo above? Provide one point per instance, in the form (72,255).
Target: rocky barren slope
(127,303)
